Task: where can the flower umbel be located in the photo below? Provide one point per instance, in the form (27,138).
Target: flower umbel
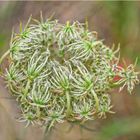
(63,72)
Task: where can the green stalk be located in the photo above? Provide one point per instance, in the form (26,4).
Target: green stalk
(27,87)
(68,103)
(96,99)
(116,85)
(2,58)
(4,55)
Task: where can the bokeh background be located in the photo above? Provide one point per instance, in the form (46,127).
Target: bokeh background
(116,22)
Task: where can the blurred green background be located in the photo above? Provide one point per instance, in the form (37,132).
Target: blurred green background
(116,22)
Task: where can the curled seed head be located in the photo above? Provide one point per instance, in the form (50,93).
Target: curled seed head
(62,72)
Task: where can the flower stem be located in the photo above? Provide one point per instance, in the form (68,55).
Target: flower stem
(96,99)
(68,104)
(4,55)
(27,87)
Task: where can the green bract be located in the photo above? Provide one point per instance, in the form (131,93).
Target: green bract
(62,72)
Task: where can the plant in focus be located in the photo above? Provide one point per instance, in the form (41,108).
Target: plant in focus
(63,72)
